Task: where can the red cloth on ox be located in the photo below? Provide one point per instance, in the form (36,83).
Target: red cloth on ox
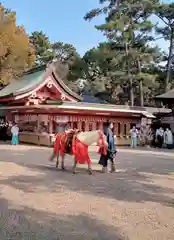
(57,144)
(80,152)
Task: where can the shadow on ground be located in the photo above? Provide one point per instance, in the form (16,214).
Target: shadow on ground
(133,185)
(126,186)
(21,223)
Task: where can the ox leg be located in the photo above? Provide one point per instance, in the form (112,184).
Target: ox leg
(113,168)
(53,155)
(89,169)
(74,166)
(63,163)
(57,161)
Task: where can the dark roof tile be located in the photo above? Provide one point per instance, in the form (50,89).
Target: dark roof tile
(23,84)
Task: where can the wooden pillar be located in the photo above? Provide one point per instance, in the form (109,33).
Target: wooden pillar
(101,126)
(50,126)
(121,129)
(94,126)
(98,125)
(127,128)
(86,126)
(38,124)
(79,125)
(71,125)
(116,129)
(124,129)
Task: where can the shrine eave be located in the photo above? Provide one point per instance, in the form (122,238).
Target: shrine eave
(79,108)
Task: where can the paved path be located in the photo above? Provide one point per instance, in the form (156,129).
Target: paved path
(39,202)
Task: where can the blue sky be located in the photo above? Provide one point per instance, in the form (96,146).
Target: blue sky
(61,21)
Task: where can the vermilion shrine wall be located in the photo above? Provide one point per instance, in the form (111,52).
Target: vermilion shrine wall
(122,126)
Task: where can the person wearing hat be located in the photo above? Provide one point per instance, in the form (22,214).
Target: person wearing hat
(111,150)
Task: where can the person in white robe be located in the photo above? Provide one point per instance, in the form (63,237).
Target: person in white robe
(168,138)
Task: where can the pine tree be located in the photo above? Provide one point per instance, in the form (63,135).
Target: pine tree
(165,12)
(42,46)
(128,24)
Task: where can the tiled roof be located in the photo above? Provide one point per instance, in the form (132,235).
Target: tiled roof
(23,84)
(32,79)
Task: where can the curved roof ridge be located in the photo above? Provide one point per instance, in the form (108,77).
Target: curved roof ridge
(63,85)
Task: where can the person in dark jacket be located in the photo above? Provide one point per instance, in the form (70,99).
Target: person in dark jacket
(111,151)
(4,132)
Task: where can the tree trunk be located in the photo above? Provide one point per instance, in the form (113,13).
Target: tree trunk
(131,91)
(141,93)
(129,63)
(169,60)
(140,85)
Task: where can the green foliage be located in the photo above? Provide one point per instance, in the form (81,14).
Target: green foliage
(17,55)
(65,53)
(128,26)
(125,66)
(42,47)
(165,12)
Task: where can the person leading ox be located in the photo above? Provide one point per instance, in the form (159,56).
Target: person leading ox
(111,150)
(80,141)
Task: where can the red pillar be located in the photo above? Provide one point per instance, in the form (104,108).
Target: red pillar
(79,125)
(101,126)
(71,125)
(115,128)
(50,126)
(94,125)
(86,126)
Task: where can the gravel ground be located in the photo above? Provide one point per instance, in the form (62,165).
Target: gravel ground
(39,202)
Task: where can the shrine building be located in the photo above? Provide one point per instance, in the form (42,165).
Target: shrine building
(43,105)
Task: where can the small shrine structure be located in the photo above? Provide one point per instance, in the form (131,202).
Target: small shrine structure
(43,105)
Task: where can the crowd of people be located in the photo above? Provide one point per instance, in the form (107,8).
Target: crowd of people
(164,138)
(146,136)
